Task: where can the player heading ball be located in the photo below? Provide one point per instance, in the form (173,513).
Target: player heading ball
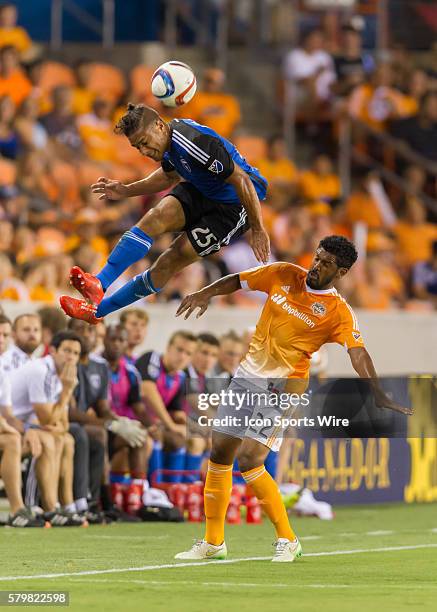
(215,199)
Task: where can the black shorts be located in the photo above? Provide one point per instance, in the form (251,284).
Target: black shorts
(209,225)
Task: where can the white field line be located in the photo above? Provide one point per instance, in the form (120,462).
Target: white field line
(145,568)
(152,583)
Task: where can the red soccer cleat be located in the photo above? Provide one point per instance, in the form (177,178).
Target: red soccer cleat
(87,284)
(79,309)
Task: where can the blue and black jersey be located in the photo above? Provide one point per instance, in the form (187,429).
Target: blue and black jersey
(205,159)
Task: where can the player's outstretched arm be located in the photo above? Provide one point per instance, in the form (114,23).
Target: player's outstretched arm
(363,366)
(260,240)
(200,299)
(115,190)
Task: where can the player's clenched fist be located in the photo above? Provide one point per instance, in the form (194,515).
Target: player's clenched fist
(68,377)
(109,189)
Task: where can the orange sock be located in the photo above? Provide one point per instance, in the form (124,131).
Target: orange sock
(267,491)
(216,496)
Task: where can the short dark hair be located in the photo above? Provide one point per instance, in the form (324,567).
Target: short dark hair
(136,117)
(182,333)
(344,250)
(208,339)
(52,318)
(63,336)
(4,319)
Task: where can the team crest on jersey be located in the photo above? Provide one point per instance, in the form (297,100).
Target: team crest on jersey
(286,288)
(185,164)
(318,309)
(216,166)
(95,380)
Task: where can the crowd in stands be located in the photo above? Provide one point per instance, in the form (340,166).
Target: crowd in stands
(56,138)
(96,420)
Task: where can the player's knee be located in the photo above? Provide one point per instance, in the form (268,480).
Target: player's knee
(222,454)
(68,445)
(154,222)
(248,459)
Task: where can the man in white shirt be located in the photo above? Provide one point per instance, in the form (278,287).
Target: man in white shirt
(309,70)
(26,334)
(41,392)
(10,465)
(13,446)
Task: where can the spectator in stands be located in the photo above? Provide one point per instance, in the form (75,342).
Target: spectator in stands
(376,102)
(351,64)
(204,360)
(320,182)
(87,233)
(419,133)
(361,205)
(5,334)
(125,401)
(41,282)
(12,448)
(414,234)
(309,71)
(91,418)
(136,322)
(229,357)
(10,33)
(33,136)
(6,237)
(163,392)
(13,82)
(97,133)
(416,85)
(425,278)
(9,144)
(83,97)
(276,166)
(60,124)
(41,392)
(53,321)
(213,107)
(26,334)
(11,288)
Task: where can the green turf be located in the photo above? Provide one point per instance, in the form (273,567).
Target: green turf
(393,580)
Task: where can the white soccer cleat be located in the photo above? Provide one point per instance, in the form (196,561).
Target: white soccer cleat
(286,551)
(204,550)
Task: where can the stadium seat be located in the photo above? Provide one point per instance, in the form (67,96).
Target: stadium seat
(8,172)
(54,74)
(251,147)
(105,80)
(140,77)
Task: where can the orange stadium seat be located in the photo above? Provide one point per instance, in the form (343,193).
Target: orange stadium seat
(54,74)
(105,80)
(140,77)
(251,147)
(8,172)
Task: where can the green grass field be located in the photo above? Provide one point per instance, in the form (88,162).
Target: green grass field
(369,557)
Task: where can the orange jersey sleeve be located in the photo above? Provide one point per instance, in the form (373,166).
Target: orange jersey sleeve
(263,277)
(347,332)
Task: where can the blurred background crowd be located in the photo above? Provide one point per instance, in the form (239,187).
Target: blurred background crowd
(56,138)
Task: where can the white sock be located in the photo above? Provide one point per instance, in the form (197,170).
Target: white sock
(70,507)
(81,504)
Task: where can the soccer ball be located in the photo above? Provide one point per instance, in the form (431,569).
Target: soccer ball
(174,83)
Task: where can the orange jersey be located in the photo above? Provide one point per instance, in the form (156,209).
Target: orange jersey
(295,321)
